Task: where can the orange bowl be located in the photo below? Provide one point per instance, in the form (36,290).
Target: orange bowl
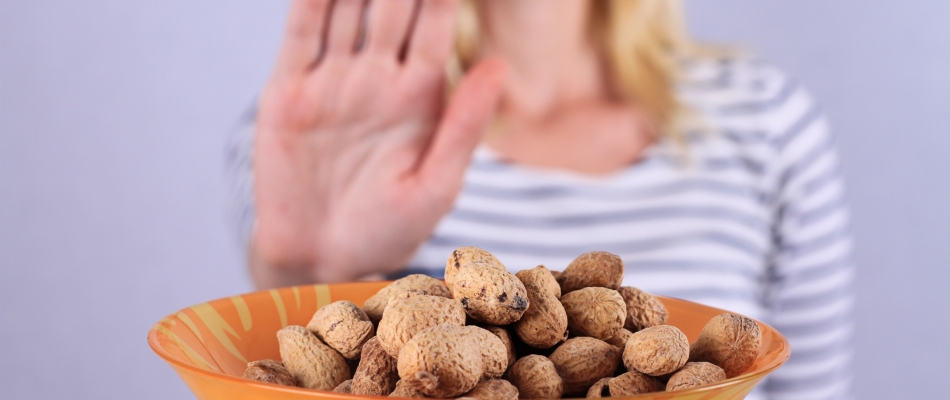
(210,344)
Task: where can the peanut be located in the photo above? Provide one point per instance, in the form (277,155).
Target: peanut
(376,375)
(730,341)
(594,269)
(343,326)
(582,361)
(404,317)
(656,350)
(490,295)
(314,364)
(269,371)
(441,361)
(536,378)
(695,374)
(594,311)
(375,305)
(643,310)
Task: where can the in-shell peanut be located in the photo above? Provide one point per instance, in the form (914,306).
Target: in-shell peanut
(442,361)
(730,341)
(695,374)
(493,350)
(407,315)
(345,387)
(493,389)
(314,364)
(375,305)
(405,391)
(599,389)
(594,269)
(343,326)
(536,378)
(594,311)
(633,383)
(656,350)
(466,255)
(540,278)
(620,339)
(643,309)
(544,323)
(490,295)
(269,371)
(582,361)
(376,375)
(505,337)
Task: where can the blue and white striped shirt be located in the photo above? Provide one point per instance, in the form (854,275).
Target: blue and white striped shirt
(754,219)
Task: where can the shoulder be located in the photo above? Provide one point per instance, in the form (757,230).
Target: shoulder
(735,82)
(751,99)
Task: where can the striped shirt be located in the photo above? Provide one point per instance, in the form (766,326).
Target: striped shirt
(753,220)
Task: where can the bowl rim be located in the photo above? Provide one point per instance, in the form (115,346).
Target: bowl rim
(153,333)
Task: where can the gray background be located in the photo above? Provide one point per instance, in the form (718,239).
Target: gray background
(112,121)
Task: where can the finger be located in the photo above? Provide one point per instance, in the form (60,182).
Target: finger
(468,115)
(344,27)
(432,37)
(389,23)
(304,35)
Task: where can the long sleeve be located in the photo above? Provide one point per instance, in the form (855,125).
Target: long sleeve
(810,281)
(239,150)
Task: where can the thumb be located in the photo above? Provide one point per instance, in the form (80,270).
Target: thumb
(468,114)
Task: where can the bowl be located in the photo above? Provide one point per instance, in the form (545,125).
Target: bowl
(210,344)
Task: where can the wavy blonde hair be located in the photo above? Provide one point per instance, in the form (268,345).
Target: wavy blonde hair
(643,42)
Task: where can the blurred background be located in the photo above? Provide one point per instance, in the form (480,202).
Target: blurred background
(113,117)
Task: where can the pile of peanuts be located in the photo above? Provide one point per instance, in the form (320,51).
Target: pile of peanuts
(486,333)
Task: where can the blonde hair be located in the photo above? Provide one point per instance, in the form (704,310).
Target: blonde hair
(643,42)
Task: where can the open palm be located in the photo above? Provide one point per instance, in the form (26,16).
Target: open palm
(357,155)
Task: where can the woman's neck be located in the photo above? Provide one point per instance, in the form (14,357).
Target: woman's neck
(552,60)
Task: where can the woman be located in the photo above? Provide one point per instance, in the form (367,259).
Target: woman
(574,125)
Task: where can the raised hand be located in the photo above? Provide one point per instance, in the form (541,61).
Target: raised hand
(357,153)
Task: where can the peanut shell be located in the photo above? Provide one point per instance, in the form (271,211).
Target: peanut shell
(269,371)
(465,255)
(441,361)
(536,378)
(343,326)
(490,295)
(633,383)
(695,374)
(492,348)
(404,317)
(540,279)
(376,375)
(314,364)
(730,341)
(544,323)
(594,269)
(505,337)
(594,311)
(375,305)
(656,350)
(404,390)
(345,387)
(620,339)
(493,389)
(643,309)
(599,389)
(582,361)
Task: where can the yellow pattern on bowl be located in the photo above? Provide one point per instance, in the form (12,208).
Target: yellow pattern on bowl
(210,344)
